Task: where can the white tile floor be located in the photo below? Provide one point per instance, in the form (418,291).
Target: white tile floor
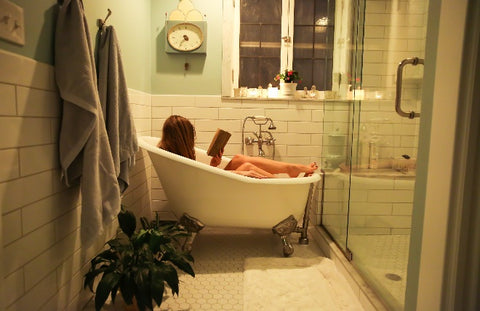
(383,259)
(219,259)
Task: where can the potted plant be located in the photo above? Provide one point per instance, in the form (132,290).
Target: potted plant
(140,263)
(288,76)
(288,81)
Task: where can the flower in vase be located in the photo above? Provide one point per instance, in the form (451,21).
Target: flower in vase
(288,76)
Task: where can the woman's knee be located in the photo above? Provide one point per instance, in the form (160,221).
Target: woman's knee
(245,166)
(236,162)
(239,159)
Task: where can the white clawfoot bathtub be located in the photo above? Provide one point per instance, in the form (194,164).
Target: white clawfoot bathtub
(221,198)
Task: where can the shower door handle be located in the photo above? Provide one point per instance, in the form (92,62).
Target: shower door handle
(398,96)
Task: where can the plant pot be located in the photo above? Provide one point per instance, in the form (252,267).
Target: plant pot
(132,307)
(288,89)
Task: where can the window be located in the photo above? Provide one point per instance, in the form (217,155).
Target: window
(270,36)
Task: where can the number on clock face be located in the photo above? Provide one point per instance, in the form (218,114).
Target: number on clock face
(185,37)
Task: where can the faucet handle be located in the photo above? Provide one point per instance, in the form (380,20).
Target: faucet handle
(249,140)
(269,141)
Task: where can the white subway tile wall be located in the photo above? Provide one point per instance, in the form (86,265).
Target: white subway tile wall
(377,205)
(43,258)
(393,32)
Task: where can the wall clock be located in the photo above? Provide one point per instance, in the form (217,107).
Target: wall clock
(185,36)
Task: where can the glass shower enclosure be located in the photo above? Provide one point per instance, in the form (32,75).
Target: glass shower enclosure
(370,139)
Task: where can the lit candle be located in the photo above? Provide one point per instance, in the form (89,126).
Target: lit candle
(273,92)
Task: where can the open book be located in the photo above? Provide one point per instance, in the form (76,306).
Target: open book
(218,142)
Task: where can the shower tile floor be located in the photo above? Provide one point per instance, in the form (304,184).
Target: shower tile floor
(219,259)
(383,259)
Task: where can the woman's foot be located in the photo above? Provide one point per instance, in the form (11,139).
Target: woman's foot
(296,169)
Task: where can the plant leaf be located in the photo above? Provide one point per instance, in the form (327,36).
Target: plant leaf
(169,274)
(181,263)
(106,255)
(127,288)
(144,222)
(188,257)
(114,292)
(92,274)
(108,282)
(142,281)
(141,238)
(127,221)
(157,240)
(116,243)
(158,285)
(140,300)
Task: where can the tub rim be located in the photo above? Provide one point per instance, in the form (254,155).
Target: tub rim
(144,144)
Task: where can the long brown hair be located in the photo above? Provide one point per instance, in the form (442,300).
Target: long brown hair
(178,136)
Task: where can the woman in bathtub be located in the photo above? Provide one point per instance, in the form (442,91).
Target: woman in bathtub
(179,137)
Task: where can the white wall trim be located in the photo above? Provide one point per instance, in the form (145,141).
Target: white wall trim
(441,152)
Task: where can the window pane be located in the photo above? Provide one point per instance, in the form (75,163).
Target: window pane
(303,42)
(249,40)
(321,9)
(260,35)
(270,40)
(316,72)
(304,12)
(313,43)
(305,68)
(258,71)
(267,71)
(248,70)
(265,11)
(321,41)
(323,80)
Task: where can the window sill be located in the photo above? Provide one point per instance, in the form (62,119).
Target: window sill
(321,96)
(291,98)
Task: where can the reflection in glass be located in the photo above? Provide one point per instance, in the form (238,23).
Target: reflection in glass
(260,30)
(313,44)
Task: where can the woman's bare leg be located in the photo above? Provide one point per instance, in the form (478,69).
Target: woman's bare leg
(250,167)
(271,166)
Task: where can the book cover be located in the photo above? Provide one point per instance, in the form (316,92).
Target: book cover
(219,141)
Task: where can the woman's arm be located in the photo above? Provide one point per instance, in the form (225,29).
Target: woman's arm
(216,160)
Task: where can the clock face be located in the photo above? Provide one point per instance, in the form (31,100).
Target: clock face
(185,37)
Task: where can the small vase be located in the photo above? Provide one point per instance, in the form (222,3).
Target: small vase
(288,89)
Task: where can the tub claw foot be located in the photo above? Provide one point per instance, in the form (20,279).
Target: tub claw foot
(193,226)
(283,229)
(287,246)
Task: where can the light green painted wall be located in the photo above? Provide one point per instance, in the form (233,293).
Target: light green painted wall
(40,16)
(131,19)
(205,74)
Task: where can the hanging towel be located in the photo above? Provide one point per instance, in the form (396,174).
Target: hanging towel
(113,91)
(84,149)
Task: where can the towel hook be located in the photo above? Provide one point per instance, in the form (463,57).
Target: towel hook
(102,22)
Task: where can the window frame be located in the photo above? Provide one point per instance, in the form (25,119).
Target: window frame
(231,46)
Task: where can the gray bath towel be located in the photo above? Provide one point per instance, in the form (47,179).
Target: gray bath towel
(113,91)
(85,155)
